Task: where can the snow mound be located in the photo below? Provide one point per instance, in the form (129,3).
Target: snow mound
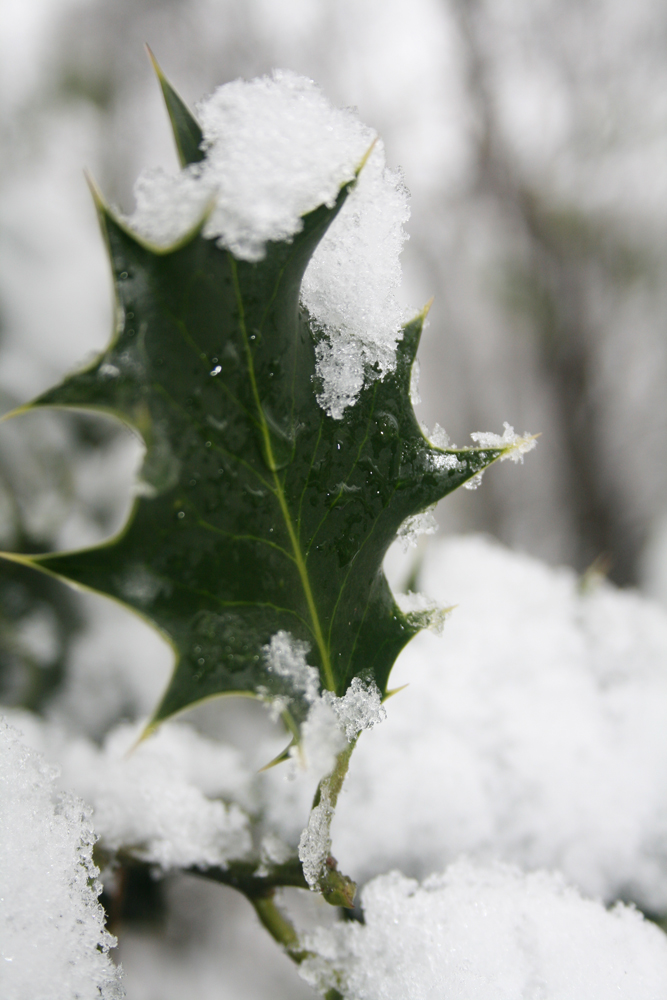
(275,150)
(53,945)
(534,730)
(484,933)
(161,799)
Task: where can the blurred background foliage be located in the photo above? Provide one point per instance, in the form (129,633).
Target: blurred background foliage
(533,137)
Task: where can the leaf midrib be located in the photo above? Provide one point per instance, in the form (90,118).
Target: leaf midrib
(280,493)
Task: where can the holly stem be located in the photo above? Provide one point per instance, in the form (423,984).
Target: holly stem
(279,926)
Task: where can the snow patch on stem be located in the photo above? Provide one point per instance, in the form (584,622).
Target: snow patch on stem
(358,709)
(315,840)
(333,723)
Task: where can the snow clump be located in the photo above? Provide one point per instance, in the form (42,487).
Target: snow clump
(533,731)
(53,945)
(332,721)
(275,150)
(359,708)
(285,657)
(484,933)
(322,738)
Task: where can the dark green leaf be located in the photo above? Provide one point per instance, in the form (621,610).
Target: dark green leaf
(257,512)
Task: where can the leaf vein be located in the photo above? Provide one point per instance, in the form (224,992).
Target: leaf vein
(246,538)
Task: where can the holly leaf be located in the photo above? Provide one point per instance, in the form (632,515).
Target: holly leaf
(256,512)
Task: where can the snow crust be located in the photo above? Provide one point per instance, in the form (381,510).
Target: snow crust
(275,150)
(315,839)
(534,731)
(484,933)
(162,799)
(53,945)
(350,286)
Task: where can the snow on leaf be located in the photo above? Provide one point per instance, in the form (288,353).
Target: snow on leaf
(515,446)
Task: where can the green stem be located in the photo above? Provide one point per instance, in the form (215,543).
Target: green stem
(283,931)
(259,890)
(279,926)
(260,893)
(241,875)
(334,781)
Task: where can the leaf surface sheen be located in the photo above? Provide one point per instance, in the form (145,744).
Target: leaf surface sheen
(258,512)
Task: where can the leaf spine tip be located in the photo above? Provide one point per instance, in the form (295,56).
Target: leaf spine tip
(365,157)
(426,310)
(17,557)
(521,446)
(393,691)
(24,408)
(282,756)
(154,63)
(148,730)
(98,197)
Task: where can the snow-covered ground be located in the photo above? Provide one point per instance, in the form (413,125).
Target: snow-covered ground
(532,732)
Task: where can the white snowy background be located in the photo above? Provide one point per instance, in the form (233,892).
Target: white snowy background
(532,138)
